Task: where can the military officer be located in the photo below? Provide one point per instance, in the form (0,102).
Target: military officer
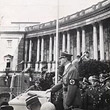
(92,95)
(69,83)
(105,97)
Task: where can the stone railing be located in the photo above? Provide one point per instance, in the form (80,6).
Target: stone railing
(69,17)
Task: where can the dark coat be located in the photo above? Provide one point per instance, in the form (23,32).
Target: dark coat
(71,92)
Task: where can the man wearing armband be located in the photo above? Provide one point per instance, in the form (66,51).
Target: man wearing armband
(69,82)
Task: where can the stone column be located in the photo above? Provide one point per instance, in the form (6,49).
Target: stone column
(95,46)
(54,47)
(26,48)
(53,63)
(64,42)
(68,42)
(50,49)
(30,53)
(50,53)
(83,40)
(101,40)
(42,49)
(78,42)
(42,52)
(38,52)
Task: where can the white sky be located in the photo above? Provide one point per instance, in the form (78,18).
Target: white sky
(39,10)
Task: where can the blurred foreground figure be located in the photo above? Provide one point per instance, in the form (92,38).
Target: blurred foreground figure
(47,106)
(33,103)
(6,106)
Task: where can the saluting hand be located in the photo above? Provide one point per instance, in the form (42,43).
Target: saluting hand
(48,90)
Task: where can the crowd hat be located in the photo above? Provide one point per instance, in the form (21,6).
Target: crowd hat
(65,54)
(32,100)
(6,106)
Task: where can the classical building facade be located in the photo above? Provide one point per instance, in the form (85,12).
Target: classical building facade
(86,30)
(11,48)
(12,45)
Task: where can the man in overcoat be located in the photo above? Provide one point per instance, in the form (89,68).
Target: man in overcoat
(70,83)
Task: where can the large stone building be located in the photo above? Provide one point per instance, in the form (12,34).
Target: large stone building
(88,29)
(12,45)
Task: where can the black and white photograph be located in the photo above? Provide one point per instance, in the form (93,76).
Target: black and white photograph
(54,54)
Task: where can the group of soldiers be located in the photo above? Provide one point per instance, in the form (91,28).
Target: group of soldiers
(95,92)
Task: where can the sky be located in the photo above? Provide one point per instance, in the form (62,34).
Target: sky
(39,10)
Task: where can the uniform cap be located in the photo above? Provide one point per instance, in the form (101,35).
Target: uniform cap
(65,54)
(106,79)
(6,107)
(32,99)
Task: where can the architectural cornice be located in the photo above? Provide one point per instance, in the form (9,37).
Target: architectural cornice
(12,32)
(88,16)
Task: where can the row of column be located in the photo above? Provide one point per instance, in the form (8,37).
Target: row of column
(78,45)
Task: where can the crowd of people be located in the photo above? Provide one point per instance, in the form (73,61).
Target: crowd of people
(68,83)
(72,92)
(75,93)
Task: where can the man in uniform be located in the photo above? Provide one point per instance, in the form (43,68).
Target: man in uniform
(105,97)
(92,94)
(70,84)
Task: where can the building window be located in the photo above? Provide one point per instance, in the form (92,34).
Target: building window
(8,65)
(9,43)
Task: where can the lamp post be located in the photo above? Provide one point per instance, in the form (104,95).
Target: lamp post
(57,26)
